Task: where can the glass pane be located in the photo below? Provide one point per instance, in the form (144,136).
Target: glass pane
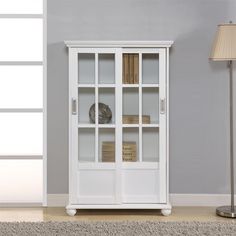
(86,68)
(106,68)
(86,99)
(130,106)
(21,181)
(21,40)
(130,149)
(106,145)
(150,105)
(21,6)
(86,136)
(150,68)
(130,68)
(150,144)
(107,105)
(21,87)
(21,133)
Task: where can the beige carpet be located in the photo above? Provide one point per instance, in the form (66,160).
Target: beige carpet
(122,228)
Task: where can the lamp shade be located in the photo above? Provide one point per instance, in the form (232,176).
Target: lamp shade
(224,47)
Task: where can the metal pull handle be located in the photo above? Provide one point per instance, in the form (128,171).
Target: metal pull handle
(74,106)
(163,106)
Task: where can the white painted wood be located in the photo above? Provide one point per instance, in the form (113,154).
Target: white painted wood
(118,44)
(71,212)
(140,165)
(150,85)
(130,85)
(97,199)
(184,200)
(167,125)
(96,166)
(73,121)
(162,127)
(140,183)
(96,185)
(116,206)
(119,138)
(96,108)
(45,103)
(165,212)
(120,185)
(130,125)
(140,100)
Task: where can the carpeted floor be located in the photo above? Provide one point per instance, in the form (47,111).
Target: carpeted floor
(122,228)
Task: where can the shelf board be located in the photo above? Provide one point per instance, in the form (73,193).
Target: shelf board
(106,126)
(150,85)
(106,85)
(130,125)
(86,85)
(130,85)
(86,125)
(154,125)
(99,85)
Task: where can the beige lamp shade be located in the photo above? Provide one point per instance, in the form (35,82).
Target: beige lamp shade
(224,47)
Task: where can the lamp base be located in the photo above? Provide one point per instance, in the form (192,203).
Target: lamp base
(226,211)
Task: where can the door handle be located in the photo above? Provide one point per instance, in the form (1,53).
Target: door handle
(162,105)
(74,106)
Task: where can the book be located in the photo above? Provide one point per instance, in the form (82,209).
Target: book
(136,68)
(125,68)
(131,68)
(134,119)
(128,151)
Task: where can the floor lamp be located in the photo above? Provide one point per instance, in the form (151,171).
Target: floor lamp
(224,49)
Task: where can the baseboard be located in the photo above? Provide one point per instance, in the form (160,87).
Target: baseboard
(57,200)
(200,199)
(61,200)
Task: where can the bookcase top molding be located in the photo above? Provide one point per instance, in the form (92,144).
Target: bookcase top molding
(121,44)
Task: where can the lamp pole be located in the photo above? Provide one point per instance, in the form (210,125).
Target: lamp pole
(231,134)
(230,211)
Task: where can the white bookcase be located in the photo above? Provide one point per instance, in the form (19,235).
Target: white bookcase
(96,75)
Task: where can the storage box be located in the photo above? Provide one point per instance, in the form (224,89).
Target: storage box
(134,119)
(128,151)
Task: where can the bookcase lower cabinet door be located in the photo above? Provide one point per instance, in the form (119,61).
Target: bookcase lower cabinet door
(118,125)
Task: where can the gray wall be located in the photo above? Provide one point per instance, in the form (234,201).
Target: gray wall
(198,88)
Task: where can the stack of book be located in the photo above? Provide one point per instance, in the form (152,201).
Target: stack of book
(128,151)
(134,119)
(130,68)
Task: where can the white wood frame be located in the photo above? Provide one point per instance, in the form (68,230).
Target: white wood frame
(40,110)
(119,47)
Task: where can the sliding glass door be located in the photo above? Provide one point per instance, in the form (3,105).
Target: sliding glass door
(22,102)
